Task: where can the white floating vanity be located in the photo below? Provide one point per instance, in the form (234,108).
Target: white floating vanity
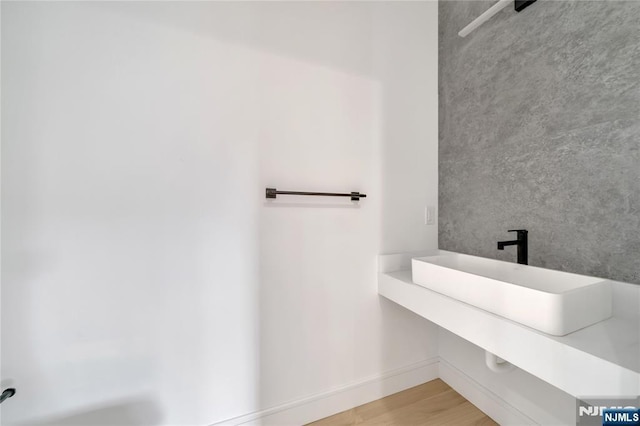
(591,339)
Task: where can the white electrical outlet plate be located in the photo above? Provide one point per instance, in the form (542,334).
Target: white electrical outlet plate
(430,215)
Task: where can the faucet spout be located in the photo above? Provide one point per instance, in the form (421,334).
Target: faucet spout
(503,244)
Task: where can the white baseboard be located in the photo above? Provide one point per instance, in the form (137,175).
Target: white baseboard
(488,402)
(328,403)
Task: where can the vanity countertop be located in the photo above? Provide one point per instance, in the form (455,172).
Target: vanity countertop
(602,359)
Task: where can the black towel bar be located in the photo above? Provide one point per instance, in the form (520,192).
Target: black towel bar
(355,196)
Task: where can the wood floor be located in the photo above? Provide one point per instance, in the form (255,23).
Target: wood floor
(433,403)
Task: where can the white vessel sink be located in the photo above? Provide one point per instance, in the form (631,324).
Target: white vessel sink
(553,302)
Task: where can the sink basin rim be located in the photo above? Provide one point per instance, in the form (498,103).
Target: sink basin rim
(534,280)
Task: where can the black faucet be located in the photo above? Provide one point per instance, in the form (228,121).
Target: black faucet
(521,242)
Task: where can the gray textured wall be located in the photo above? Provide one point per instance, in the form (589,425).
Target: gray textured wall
(540,128)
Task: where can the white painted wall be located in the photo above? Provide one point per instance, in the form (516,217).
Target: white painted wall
(144,276)
(410,124)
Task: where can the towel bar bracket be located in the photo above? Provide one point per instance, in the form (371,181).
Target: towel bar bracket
(519,5)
